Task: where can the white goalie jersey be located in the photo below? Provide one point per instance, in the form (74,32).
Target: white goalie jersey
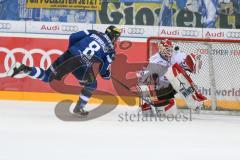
(159,66)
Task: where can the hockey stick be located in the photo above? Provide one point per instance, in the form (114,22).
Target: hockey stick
(122,84)
(126,87)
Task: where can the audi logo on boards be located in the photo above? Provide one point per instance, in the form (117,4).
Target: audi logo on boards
(190,33)
(70,28)
(5,26)
(135,31)
(10,58)
(233,34)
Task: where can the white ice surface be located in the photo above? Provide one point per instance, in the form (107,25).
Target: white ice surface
(31,131)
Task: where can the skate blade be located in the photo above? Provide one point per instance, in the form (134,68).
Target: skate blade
(10,72)
(80,115)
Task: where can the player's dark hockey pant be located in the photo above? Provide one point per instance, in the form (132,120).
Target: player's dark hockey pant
(165,94)
(67,63)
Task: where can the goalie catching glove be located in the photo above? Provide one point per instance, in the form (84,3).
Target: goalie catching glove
(192,63)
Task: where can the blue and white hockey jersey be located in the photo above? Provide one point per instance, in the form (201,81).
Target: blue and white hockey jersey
(92,46)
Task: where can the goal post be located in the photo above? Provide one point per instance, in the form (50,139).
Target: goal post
(219,78)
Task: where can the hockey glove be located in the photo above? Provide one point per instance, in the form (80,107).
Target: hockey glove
(107,75)
(192,63)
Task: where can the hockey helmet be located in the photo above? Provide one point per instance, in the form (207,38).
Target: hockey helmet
(165,49)
(113,33)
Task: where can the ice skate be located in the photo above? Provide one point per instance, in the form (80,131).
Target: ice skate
(81,111)
(17,68)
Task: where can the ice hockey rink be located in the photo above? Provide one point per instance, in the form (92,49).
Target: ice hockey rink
(32,131)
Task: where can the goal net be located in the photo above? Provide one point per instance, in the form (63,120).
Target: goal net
(219,78)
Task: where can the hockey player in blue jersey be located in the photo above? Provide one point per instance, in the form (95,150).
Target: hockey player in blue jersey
(85,48)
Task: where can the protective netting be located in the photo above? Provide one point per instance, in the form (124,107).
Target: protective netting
(220,72)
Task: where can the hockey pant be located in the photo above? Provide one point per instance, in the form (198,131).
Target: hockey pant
(164,104)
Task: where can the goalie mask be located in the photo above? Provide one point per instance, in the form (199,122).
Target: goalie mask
(165,49)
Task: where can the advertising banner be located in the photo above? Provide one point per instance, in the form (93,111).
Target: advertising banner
(55,28)
(183,32)
(230,34)
(41,52)
(128,31)
(129,13)
(150,1)
(17,11)
(67,4)
(12,26)
(157,14)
